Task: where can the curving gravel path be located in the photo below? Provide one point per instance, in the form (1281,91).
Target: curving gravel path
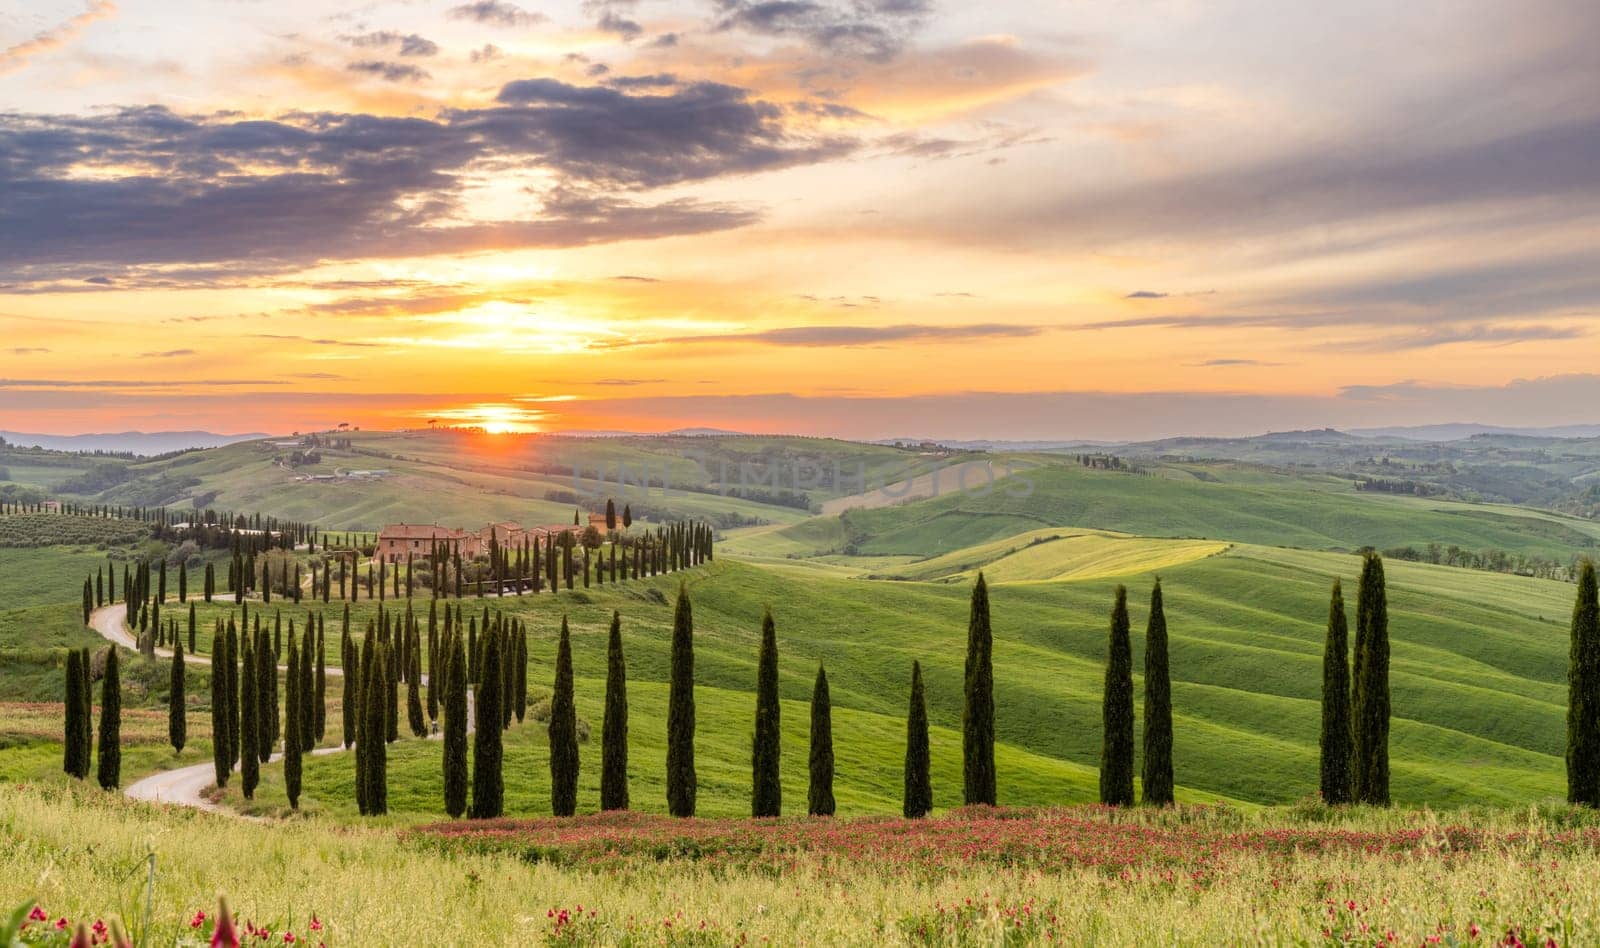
(185,786)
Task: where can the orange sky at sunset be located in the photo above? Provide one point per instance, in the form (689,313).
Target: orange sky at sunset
(869,218)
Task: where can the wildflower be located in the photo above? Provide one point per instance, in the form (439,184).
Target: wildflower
(288,938)
(199,918)
(316,923)
(80,938)
(223,933)
(38,914)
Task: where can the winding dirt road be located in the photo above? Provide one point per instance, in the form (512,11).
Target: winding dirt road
(185,786)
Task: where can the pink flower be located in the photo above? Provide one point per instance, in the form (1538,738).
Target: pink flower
(37,915)
(61,924)
(288,938)
(223,933)
(80,938)
(199,918)
(316,923)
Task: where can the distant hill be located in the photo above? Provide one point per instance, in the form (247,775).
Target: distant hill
(137,442)
(1459,430)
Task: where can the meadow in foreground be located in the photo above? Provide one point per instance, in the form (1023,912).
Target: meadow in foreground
(1193,875)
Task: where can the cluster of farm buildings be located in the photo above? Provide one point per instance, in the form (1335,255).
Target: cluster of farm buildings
(398,541)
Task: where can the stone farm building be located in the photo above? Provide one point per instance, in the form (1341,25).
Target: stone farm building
(397,541)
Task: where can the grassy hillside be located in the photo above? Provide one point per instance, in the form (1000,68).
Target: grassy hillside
(1479,687)
(1057,554)
(1298,514)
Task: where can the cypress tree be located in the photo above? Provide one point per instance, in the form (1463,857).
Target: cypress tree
(820,798)
(177,702)
(1336,781)
(414,716)
(74,752)
(1583,694)
(1371,702)
(977,714)
(918,799)
(221,754)
(681,781)
(307,693)
(293,720)
(1116,752)
(319,709)
(520,681)
(86,715)
(1157,780)
(350,699)
(191,628)
(614,730)
(249,722)
(110,772)
(230,695)
(488,788)
(455,728)
(766,792)
(374,724)
(266,673)
(563,732)
(88,600)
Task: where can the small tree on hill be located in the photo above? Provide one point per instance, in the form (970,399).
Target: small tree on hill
(1116,749)
(1157,777)
(614,729)
(563,732)
(766,793)
(681,780)
(819,800)
(1335,779)
(918,800)
(977,715)
(1583,693)
(110,772)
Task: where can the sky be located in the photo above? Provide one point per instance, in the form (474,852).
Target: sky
(865,218)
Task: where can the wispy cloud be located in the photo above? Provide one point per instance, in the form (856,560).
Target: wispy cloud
(844,336)
(18,56)
(497,13)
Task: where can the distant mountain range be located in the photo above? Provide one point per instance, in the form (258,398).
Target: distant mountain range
(136,442)
(1457,431)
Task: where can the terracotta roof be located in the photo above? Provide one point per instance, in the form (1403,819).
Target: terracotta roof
(420,531)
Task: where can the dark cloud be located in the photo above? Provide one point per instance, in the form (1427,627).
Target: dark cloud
(218,192)
(27,350)
(870,29)
(623,383)
(168,354)
(619,25)
(846,336)
(1486,334)
(497,13)
(664,41)
(1146,295)
(347,343)
(487,52)
(654,81)
(407,44)
(391,72)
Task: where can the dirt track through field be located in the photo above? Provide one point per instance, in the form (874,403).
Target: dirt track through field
(186,786)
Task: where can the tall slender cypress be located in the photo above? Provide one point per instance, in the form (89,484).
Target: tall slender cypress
(563,732)
(614,729)
(266,673)
(1371,702)
(293,723)
(221,754)
(488,782)
(819,800)
(414,715)
(520,679)
(1156,781)
(1336,781)
(74,752)
(319,708)
(230,666)
(110,772)
(308,691)
(375,765)
(1116,750)
(977,714)
(681,779)
(249,722)
(455,728)
(177,701)
(918,800)
(350,700)
(766,791)
(1583,693)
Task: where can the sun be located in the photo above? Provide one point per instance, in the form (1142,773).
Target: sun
(495,419)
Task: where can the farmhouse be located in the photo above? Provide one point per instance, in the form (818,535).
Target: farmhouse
(399,541)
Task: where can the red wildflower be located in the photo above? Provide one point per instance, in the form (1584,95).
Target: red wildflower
(224,934)
(37,915)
